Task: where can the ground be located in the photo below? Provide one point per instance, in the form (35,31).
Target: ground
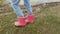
(47,21)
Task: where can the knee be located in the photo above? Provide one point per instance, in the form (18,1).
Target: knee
(14,2)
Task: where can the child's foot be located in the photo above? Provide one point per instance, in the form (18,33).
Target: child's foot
(30,18)
(21,22)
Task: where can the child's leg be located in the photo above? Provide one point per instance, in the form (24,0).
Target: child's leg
(28,6)
(15,6)
(29,9)
(21,19)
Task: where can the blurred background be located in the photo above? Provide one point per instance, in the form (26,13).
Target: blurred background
(47,18)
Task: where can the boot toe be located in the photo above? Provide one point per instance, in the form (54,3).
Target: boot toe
(17,24)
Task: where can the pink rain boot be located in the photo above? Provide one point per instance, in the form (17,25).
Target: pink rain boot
(30,18)
(21,21)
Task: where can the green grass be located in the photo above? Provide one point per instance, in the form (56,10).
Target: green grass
(47,22)
(0,1)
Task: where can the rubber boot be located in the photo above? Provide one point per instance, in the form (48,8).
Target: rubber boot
(30,18)
(21,21)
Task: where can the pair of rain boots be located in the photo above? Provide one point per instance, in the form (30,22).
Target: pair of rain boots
(22,21)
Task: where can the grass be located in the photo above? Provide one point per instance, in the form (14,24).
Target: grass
(0,1)
(46,22)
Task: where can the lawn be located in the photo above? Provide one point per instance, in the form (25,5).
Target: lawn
(47,21)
